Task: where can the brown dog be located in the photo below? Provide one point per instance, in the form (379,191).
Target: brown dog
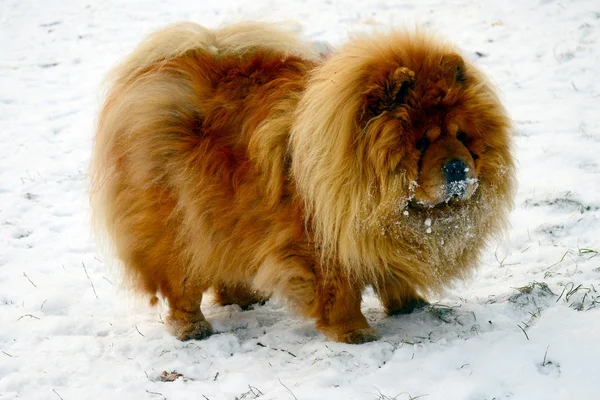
(237,159)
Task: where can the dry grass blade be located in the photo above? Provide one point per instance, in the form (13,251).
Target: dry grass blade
(27,315)
(528,289)
(288,389)
(156,393)
(138,331)
(526,335)
(545,354)
(91,283)
(381,396)
(25,275)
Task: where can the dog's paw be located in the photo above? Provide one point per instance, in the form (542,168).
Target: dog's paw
(406,307)
(191,330)
(358,336)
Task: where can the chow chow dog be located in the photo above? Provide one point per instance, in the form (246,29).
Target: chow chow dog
(241,161)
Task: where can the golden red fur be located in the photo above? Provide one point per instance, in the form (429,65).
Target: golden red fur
(237,159)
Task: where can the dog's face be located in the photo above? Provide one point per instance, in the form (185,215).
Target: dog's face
(440,128)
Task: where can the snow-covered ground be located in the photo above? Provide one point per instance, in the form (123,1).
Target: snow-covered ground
(527,326)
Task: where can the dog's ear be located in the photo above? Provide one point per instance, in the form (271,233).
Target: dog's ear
(387,92)
(453,67)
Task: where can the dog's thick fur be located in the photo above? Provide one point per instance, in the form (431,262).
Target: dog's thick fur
(237,159)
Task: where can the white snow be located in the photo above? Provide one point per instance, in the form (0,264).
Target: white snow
(428,225)
(527,326)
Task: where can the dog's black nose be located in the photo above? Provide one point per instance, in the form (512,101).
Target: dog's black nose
(456,178)
(455,170)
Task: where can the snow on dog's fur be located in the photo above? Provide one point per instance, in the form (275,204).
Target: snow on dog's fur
(237,159)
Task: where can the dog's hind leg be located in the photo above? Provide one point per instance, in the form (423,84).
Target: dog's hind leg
(156,269)
(155,273)
(185,319)
(238,293)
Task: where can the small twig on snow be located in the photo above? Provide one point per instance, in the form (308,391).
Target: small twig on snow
(59,396)
(136,328)
(410,397)
(288,389)
(501,262)
(160,394)
(27,315)
(574,87)
(289,352)
(253,389)
(30,281)
(92,283)
(162,353)
(283,350)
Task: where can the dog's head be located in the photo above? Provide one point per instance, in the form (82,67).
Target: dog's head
(442,118)
(397,124)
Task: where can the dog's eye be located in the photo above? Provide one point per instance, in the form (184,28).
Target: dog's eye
(422,144)
(462,137)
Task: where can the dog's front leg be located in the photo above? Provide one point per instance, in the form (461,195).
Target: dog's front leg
(398,297)
(338,311)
